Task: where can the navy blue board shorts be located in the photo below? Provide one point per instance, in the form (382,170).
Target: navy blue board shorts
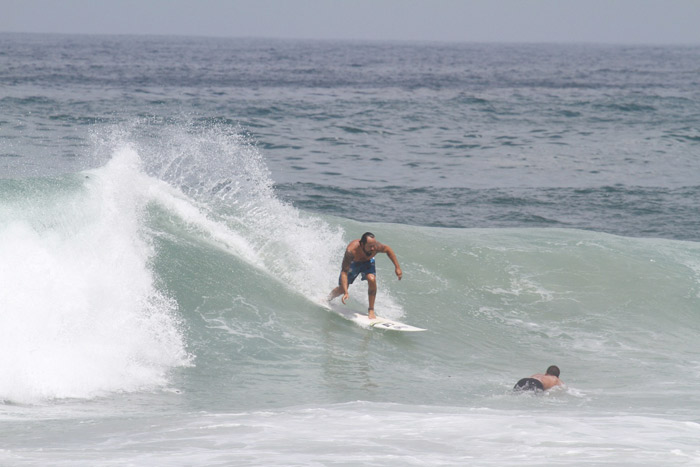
(357,268)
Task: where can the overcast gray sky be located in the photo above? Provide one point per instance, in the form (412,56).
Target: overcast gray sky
(606,21)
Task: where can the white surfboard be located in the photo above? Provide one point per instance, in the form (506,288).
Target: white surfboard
(377,323)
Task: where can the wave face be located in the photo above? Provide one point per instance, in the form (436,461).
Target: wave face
(165,267)
(158,289)
(83,313)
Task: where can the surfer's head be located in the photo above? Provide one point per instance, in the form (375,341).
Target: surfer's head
(368,244)
(553,370)
(365,236)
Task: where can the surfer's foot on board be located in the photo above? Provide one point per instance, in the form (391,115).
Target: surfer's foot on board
(370,313)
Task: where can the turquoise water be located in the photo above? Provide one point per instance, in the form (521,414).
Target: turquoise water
(164,270)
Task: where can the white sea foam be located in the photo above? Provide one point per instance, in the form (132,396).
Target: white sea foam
(361,433)
(81,314)
(217,181)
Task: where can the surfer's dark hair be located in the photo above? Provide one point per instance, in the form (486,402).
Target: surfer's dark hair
(553,370)
(365,236)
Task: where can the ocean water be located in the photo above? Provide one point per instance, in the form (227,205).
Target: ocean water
(173,212)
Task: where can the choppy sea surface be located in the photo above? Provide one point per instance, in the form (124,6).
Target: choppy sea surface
(173,212)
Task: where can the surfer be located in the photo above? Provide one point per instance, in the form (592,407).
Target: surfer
(359,259)
(540,382)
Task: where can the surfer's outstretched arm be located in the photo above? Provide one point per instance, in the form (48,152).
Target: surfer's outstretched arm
(392,256)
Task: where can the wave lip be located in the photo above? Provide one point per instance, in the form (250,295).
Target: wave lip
(81,313)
